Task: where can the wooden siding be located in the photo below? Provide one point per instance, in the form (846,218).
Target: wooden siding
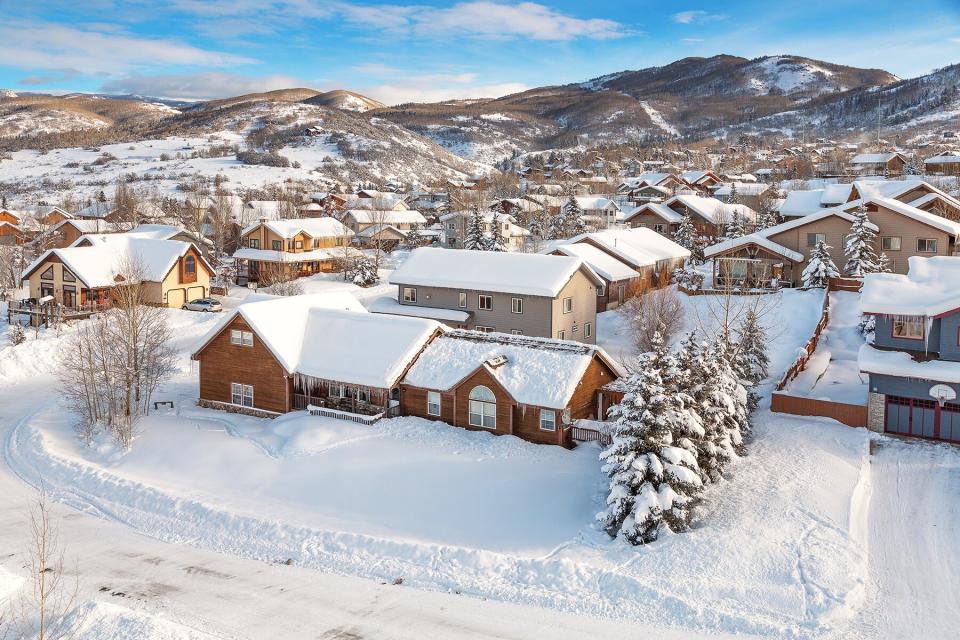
(852,415)
(222,363)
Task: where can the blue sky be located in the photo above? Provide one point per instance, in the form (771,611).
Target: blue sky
(431,49)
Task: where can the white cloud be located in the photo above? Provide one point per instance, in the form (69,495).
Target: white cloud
(199,86)
(697,17)
(49,46)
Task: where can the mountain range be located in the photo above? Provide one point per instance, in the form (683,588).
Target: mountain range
(692,98)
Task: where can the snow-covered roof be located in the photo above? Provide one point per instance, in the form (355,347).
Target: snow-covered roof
(376,229)
(538,371)
(950,157)
(755,238)
(501,271)
(88,226)
(606,266)
(99,264)
(313,227)
(713,210)
(873,158)
(743,189)
(928,289)
(267,255)
(590,203)
(392,306)
(657,208)
(836,193)
(800,203)
(693,177)
(938,222)
(388,216)
(901,364)
(640,247)
(331,336)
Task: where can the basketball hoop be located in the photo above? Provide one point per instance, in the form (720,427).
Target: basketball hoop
(942,393)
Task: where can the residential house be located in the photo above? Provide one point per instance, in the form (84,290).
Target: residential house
(882,164)
(778,255)
(400,219)
(943,164)
(656,216)
(67,232)
(598,212)
(86,273)
(10,232)
(914,361)
(456,224)
(324,350)
(750,194)
(619,280)
(107,211)
(532,388)
(291,248)
(710,216)
(521,293)
(704,182)
(651,255)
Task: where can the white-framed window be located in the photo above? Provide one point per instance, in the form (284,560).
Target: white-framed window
(409,294)
(600,291)
(363,395)
(433,403)
(561,335)
(568,305)
(480,327)
(891,243)
(483,408)
(587,329)
(813,239)
(548,420)
(463,300)
(241,338)
(516,305)
(241,394)
(485,302)
(298,244)
(926,245)
(336,390)
(516,332)
(253,243)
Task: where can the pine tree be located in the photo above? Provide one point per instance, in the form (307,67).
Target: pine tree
(573,223)
(861,257)
(753,364)
(820,268)
(716,449)
(496,241)
(414,237)
(558,226)
(735,228)
(883,264)
(735,396)
(654,478)
(475,239)
(686,233)
(536,223)
(363,272)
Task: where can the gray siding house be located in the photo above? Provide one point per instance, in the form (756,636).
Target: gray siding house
(520,293)
(914,362)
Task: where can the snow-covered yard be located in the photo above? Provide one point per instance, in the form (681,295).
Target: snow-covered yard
(795,544)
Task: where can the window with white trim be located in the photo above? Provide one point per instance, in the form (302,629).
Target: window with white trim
(336,390)
(568,305)
(587,329)
(483,408)
(480,327)
(908,327)
(433,403)
(485,303)
(516,305)
(241,338)
(813,239)
(463,300)
(516,332)
(409,294)
(561,335)
(891,243)
(926,245)
(548,420)
(241,394)
(600,291)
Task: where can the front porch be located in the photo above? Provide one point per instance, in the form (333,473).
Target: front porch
(307,392)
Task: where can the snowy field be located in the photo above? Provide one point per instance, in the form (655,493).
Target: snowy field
(806,539)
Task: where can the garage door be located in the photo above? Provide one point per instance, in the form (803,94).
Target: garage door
(195,292)
(175,298)
(923,418)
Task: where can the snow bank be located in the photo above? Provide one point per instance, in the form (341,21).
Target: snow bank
(107,621)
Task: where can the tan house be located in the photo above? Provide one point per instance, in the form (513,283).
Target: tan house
(84,275)
(400,219)
(294,248)
(779,254)
(710,216)
(67,232)
(519,293)
(532,388)
(455,227)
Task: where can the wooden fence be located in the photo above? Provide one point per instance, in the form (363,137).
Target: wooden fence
(853,415)
(846,284)
(354,417)
(582,434)
(801,362)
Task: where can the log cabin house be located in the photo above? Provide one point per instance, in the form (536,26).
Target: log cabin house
(323,350)
(291,248)
(890,164)
(532,388)
(85,274)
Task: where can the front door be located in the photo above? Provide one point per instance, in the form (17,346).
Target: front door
(69,296)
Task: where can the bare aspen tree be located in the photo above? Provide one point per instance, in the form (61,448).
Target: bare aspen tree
(51,591)
(656,312)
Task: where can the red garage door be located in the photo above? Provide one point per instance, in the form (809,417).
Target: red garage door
(923,419)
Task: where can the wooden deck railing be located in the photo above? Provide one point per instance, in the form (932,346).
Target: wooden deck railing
(801,362)
(582,434)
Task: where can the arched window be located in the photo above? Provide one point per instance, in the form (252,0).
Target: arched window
(483,408)
(189,264)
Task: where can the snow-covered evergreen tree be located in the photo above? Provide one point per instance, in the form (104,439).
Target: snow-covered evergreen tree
(496,241)
(686,233)
(820,268)
(735,227)
(735,395)
(883,263)
(861,257)
(475,239)
(536,223)
(557,228)
(753,363)
(654,477)
(712,404)
(573,214)
(363,272)
(414,236)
